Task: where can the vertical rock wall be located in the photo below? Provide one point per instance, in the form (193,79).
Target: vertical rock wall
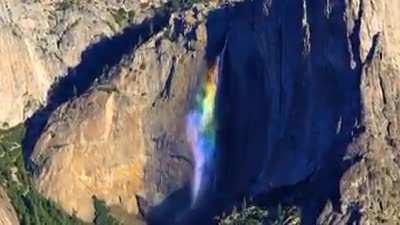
(310,92)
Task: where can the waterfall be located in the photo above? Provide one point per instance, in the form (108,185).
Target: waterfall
(201,132)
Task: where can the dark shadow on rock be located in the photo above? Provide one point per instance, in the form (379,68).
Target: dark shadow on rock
(96,62)
(346,96)
(177,209)
(169,211)
(286,110)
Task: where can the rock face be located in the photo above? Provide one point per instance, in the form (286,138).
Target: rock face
(289,99)
(124,139)
(370,189)
(23,82)
(7,212)
(310,93)
(309,97)
(40,40)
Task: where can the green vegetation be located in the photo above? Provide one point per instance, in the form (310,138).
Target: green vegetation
(123,17)
(285,216)
(254,215)
(182,4)
(32,209)
(247,215)
(102,215)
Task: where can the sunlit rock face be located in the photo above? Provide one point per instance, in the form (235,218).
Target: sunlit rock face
(124,140)
(41,40)
(7,211)
(23,81)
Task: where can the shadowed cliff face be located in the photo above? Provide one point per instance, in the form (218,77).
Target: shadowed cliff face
(289,96)
(303,87)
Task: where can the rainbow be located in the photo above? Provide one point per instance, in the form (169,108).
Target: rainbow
(201,131)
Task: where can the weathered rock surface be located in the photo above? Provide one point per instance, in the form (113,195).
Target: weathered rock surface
(7,212)
(40,40)
(124,139)
(370,189)
(23,81)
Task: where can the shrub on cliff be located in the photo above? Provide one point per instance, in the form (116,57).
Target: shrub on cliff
(254,215)
(102,216)
(246,215)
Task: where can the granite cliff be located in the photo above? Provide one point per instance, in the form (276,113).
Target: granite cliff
(123,139)
(41,40)
(307,109)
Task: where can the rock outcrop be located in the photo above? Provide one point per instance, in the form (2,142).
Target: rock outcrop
(7,212)
(40,40)
(123,140)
